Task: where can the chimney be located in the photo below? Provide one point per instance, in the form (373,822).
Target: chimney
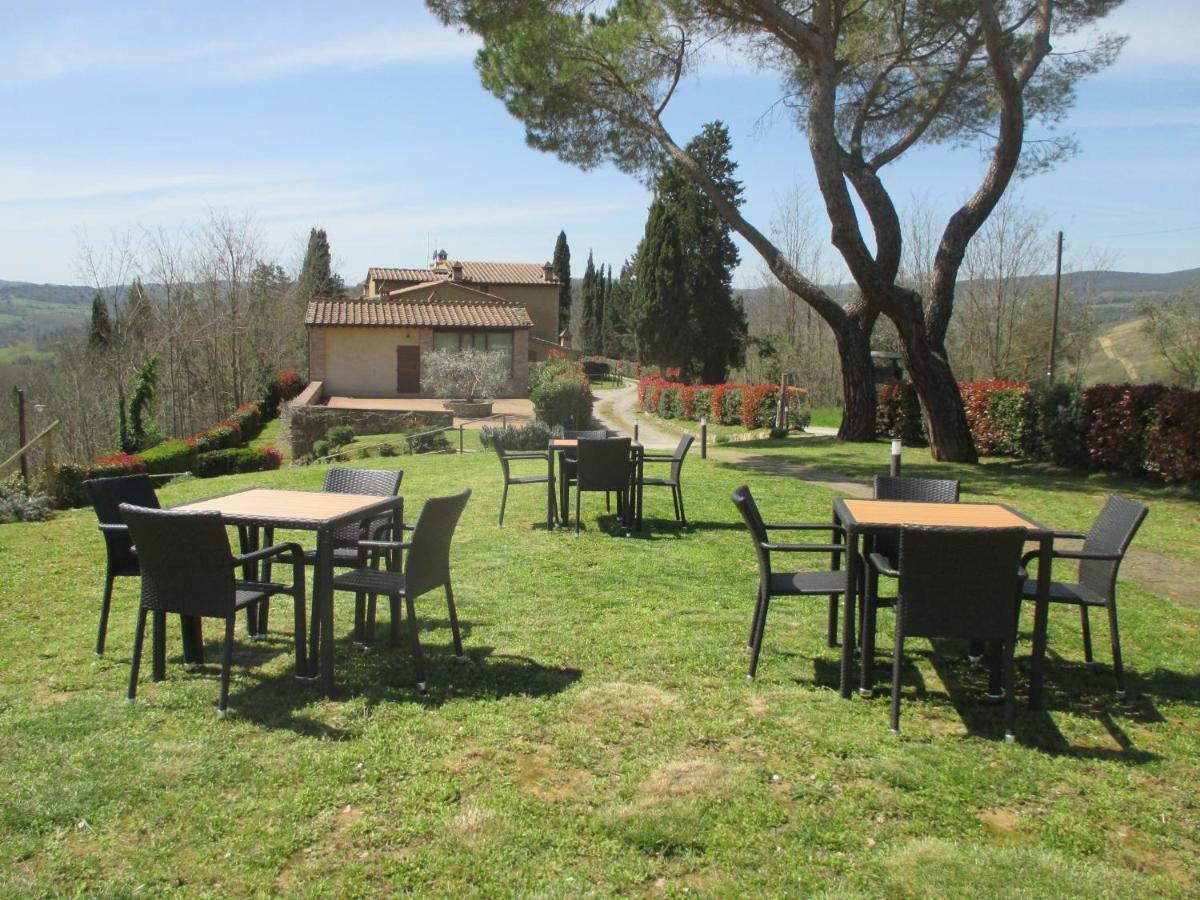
(456,272)
(548,272)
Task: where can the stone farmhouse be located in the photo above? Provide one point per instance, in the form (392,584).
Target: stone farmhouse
(372,346)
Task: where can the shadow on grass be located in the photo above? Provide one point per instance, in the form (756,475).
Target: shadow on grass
(381,673)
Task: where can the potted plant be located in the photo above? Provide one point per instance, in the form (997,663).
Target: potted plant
(468,380)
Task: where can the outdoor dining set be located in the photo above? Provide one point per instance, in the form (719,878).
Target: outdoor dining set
(187,567)
(956,570)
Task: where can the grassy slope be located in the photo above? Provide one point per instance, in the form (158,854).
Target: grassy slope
(603,736)
(1133,347)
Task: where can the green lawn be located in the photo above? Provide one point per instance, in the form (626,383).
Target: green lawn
(827,416)
(602,738)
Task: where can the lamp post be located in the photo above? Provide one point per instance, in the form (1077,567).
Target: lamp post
(21,434)
(704,437)
(897,444)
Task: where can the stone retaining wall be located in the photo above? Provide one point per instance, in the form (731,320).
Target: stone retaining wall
(305,420)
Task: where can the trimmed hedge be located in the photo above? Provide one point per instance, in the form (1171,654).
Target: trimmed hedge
(240,459)
(753,406)
(170,457)
(531,436)
(1132,430)
(563,395)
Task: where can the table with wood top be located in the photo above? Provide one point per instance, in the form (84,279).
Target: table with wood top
(559,447)
(305,511)
(868,518)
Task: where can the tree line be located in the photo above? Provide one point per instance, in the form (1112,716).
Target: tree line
(183,329)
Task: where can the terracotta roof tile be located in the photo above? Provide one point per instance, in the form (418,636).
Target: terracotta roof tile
(483,272)
(412,313)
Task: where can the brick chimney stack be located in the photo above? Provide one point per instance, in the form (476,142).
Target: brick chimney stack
(456,271)
(548,272)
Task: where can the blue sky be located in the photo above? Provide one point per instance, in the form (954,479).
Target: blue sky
(368,120)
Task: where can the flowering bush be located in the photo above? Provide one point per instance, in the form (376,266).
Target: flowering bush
(115,464)
(289,384)
(1117,430)
(997,413)
(753,406)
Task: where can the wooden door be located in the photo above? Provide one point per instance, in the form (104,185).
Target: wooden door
(408,370)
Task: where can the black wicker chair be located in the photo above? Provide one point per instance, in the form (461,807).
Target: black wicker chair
(507,457)
(830,583)
(885,547)
(959,583)
(187,568)
(107,495)
(568,461)
(672,480)
(1104,547)
(426,567)
(603,465)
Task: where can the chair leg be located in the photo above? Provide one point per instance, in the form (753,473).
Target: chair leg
(158,643)
(761,626)
(458,650)
(415,642)
(1115,637)
(226,664)
(394,620)
(1010,691)
(897,665)
(138,640)
(298,626)
(371,598)
(867,641)
(503,500)
(1087,634)
(360,613)
(109,578)
(577,493)
(758,602)
(831,636)
(682,512)
(264,615)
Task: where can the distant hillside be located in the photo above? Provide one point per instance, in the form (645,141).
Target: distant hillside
(32,312)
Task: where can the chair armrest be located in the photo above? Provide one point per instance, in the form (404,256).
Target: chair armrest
(114,527)
(1074,535)
(806,526)
(531,454)
(1082,554)
(657,457)
(268,553)
(803,548)
(383,545)
(883,565)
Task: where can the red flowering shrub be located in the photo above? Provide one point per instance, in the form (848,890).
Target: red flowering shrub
(759,404)
(1173,437)
(1116,437)
(249,420)
(899,412)
(116,464)
(998,413)
(289,384)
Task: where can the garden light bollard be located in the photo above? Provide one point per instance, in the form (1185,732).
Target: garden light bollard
(895,469)
(460,438)
(704,437)
(635,431)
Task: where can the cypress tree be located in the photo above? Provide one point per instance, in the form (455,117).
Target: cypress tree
(562,271)
(591,280)
(100,329)
(317,278)
(659,301)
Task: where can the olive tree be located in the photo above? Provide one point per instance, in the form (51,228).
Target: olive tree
(868,80)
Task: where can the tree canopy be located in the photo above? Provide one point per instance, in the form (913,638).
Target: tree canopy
(868,81)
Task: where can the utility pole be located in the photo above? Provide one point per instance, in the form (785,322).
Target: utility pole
(1054,312)
(21,434)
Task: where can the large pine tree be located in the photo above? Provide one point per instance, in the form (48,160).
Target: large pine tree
(562,271)
(317,278)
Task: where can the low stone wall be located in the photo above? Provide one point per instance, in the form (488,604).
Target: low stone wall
(309,423)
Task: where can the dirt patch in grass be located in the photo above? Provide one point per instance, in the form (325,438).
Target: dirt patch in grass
(1164,576)
(539,775)
(632,704)
(688,777)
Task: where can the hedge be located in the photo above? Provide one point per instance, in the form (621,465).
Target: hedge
(563,394)
(240,459)
(753,406)
(1132,430)
(170,457)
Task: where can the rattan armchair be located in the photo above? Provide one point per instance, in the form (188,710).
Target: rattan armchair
(959,583)
(671,480)
(187,568)
(508,457)
(603,465)
(829,583)
(1104,547)
(107,495)
(426,567)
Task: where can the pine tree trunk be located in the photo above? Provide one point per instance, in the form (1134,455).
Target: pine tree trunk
(858,384)
(950,437)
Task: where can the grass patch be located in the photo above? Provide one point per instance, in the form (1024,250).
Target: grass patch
(827,416)
(602,737)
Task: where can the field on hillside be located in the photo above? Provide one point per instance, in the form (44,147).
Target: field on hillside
(1123,352)
(602,738)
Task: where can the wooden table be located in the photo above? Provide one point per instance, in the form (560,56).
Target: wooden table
(305,511)
(559,447)
(868,518)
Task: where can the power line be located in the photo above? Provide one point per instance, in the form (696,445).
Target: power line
(1163,231)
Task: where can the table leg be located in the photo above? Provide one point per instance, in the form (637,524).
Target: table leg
(193,640)
(850,601)
(323,604)
(248,539)
(264,611)
(641,471)
(1041,617)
